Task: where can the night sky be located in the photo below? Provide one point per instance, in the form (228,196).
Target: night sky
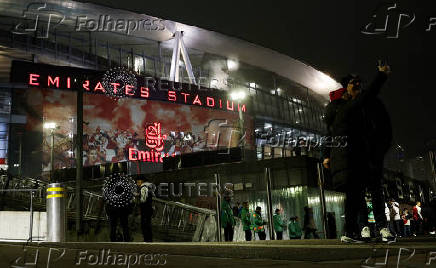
(327,35)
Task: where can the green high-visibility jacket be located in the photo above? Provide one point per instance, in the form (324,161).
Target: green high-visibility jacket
(278,223)
(371,218)
(294,229)
(257,222)
(226,214)
(245,219)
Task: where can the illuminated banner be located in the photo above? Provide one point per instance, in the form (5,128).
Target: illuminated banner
(121,130)
(120,83)
(154,140)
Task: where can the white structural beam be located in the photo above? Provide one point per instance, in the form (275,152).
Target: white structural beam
(179,48)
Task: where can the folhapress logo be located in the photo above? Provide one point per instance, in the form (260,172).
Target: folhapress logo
(38,20)
(388,20)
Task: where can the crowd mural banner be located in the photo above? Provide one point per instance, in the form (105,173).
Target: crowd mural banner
(125,128)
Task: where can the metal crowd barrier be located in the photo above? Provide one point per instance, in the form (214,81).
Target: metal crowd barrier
(169,215)
(27,192)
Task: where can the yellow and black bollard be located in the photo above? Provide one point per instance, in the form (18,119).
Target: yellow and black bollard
(56,221)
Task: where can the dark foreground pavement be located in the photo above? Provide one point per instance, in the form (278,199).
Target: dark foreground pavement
(419,252)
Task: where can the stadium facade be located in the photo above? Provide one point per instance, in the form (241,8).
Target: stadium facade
(162,101)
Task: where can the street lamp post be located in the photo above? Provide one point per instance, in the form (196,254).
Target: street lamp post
(239,96)
(52,155)
(51,126)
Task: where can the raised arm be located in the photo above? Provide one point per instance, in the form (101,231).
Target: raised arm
(372,91)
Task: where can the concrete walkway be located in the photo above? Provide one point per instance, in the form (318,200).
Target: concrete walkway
(300,253)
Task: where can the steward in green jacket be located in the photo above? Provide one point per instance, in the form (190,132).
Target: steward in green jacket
(258,224)
(278,224)
(227,220)
(294,228)
(246,221)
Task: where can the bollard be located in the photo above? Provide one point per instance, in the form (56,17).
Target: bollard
(55,203)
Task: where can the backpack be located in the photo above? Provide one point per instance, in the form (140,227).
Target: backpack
(392,212)
(144,192)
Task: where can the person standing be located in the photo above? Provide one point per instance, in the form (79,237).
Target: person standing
(390,224)
(294,228)
(146,208)
(396,218)
(119,194)
(227,219)
(309,224)
(246,221)
(417,219)
(116,214)
(258,224)
(432,216)
(406,221)
(278,224)
(356,165)
(371,218)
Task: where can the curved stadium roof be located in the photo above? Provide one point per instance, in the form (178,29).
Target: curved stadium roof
(195,38)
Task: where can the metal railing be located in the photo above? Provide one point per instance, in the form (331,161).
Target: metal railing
(26,191)
(173,216)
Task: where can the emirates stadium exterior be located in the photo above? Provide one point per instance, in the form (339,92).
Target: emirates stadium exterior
(88,91)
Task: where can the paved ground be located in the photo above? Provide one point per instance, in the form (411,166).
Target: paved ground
(302,253)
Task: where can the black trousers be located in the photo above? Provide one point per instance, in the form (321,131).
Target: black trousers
(356,180)
(308,232)
(146,215)
(398,227)
(248,235)
(122,215)
(228,233)
(417,227)
(261,235)
(356,211)
(279,235)
(375,188)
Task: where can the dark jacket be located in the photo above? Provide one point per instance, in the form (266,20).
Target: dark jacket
(309,222)
(330,113)
(350,119)
(378,130)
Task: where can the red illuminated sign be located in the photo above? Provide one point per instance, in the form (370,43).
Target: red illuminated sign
(153,137)
(155,141)
(198,98)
